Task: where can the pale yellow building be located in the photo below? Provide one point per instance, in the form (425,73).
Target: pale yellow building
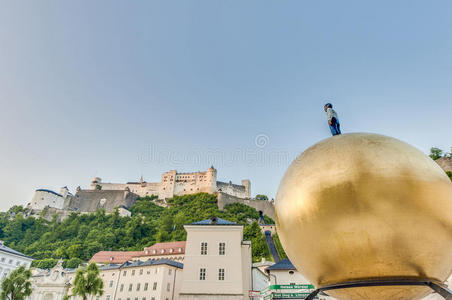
(217,262)
(137,280)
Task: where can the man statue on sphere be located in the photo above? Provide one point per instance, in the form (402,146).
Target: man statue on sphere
(333,120)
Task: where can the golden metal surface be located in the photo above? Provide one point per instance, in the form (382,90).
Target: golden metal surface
(360,206)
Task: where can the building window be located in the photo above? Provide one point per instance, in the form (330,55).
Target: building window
(138,286)
(222,248)
(141,271)
(130,287)
(111,283)
(97,297)
(202,274)
(204,248)
(133,272)
(108,297)
(125,273)
(146,286)
(152,298)
(122,287)
(170,271)
(155,286)
(168,287)
(220,274)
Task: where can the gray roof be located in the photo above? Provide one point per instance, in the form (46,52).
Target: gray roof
(284,264)
(49,191)
(217,221)
(166,261)
(12,251)
(109,267)
(151,262)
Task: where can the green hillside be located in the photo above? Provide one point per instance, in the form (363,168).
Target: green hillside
(78,237)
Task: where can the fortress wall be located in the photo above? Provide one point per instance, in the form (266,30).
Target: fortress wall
(110,186)
(266,207)
(43,198)
(238,191)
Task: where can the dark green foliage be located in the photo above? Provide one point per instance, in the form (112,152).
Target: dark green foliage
(72,263)
(17,285)
(279,247)
(46,263)
(449,174)
(435,153)
(262,197)
(79,237)
(87,282)
(260,248)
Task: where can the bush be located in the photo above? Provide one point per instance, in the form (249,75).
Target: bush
(46,263)
(282,254)
(72,263)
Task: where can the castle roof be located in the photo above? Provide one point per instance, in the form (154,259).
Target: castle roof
(49,191)
(214,221)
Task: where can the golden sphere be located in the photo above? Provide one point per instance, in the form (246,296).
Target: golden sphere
(364,206)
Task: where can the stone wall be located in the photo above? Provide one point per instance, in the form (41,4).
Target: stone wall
(266,207)
(445,163)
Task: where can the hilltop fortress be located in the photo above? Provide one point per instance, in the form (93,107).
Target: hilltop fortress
(178,184)
(109,196)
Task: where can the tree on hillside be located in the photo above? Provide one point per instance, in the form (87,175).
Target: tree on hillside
(87,282)
(436,153)
(449,174)
(261,197)
(17,285)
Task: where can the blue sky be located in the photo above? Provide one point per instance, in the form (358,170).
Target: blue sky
(117,89)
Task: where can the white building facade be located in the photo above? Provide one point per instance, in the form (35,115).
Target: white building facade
(217,262)
(51,284)
(11,259)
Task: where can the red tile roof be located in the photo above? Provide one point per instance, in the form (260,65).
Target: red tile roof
(169,248)
(114,257)
(119,257)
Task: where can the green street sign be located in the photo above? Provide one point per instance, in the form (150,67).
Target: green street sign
(292,287)
(290,295)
